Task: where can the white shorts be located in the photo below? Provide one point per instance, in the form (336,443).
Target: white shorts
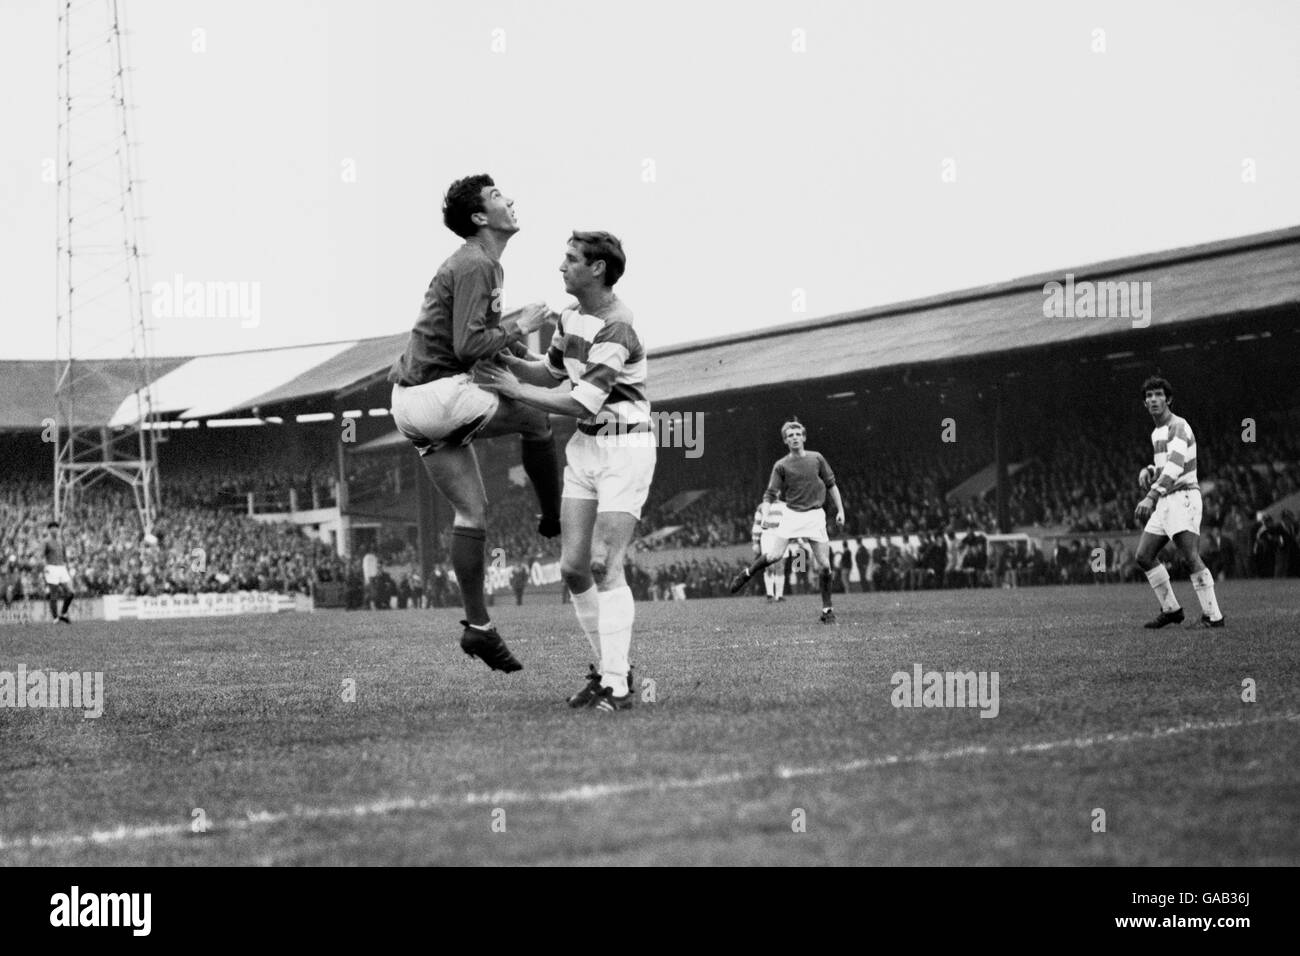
(1176,512)
(445,413)
(56,574)
(767,544)
(803,524)
(614,473)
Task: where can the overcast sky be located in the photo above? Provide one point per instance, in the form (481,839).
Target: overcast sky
(755,157)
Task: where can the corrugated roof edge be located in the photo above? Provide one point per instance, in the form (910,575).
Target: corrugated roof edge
(1097,270)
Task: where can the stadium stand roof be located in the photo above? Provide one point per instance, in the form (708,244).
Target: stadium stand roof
(362,362)
(1195,284)
(212,384)
(1199,283)
(27,390)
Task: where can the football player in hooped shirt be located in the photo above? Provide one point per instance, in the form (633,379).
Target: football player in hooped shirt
(610,460)
(1172,509)
(803,479)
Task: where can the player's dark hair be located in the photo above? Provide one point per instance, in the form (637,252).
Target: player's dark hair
(792,421)
(1156,382)
(605,247)
(51,524)
(464,198)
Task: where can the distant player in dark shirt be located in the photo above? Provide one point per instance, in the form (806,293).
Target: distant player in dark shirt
(438,406)
(58,581)
(803,479)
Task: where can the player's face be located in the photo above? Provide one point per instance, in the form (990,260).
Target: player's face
(794,438)
(499,210)
(1156,402)
(578,273)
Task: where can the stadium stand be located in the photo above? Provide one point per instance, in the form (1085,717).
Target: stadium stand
(1052,403)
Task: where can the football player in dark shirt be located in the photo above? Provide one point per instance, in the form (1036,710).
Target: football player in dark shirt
(58,581)
(439,407)
(803,479)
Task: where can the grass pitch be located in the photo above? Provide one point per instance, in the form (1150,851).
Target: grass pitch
(772,739)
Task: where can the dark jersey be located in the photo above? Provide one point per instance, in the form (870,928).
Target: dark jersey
(801,480)
(460,319)
(54,553)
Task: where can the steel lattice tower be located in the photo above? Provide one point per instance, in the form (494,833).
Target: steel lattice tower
(102,338)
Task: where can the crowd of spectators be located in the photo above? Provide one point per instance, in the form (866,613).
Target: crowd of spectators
(932,560)
(1080,482)
(512,526)
(273,489)
(193,549)
(1083,483)
(1077,490)
(369,583)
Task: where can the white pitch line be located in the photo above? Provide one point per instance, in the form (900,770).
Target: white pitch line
(1073,743)
(591,792)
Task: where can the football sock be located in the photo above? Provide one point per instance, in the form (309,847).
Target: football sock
(587,606)
(67,601)
(769,581)
(826,587)
(759,564)
(778,580)
(54,608)
(616,613)
(1159,578)
(543,469)
(467,559)
(1203,581)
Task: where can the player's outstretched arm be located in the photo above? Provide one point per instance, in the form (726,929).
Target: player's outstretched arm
(530,372)
(498,379)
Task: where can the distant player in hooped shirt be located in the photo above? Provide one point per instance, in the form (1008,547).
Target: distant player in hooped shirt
(803,479)
(1172,509)
(767,518)
(58,581)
